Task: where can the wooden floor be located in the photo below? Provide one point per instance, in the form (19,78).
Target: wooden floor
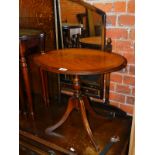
(71,135)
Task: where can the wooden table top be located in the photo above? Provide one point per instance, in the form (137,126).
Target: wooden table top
(80,61)
(24,34)
(71,25)
(91,40)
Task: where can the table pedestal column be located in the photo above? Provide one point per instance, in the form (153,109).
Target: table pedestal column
(81,103)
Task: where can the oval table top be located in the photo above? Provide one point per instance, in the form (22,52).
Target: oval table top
(71,25)
(24,34)
(91,40)
(80,61)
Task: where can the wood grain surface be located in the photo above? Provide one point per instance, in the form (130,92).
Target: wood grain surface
(91,40)
(38,14)
(80,61)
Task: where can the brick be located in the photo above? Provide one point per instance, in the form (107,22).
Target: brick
(123,36)
(132,34)
(126,20)
(114,45)
(130,57)
(123,89)
(130,80)
(112,86)
(119,7)
(130,100)
(116,77)
(107,7)
(127,108)
(117,33)
(131,6)
(126,45)
(111,20)
(117,97)
(133,91)
(132,69)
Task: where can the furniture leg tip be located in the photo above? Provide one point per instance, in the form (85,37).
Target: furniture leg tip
(48,131)
(32,116)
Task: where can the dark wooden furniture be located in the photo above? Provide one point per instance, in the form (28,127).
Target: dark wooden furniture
(28,38)
(94,41)
(39,15)
(71,134)
(71,33)
(78,62)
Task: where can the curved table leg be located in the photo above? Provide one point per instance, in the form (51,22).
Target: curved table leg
(86,124)
(77,102)
(69,109)
(90,109)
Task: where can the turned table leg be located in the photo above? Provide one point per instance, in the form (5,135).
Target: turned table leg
(44,82)
(21,100)
(86,124)
(26,77)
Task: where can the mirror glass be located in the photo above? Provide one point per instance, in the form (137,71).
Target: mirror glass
(82,26)
(78,22)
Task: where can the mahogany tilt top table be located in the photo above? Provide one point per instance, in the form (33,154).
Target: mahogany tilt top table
(79,61)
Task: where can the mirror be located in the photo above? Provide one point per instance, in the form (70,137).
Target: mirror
(83,26)
(81,20)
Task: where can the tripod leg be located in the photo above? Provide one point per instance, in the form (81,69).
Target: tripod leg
(86,124)
(69,109)
(90,109)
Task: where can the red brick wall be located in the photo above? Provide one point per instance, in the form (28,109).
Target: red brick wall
(120,28)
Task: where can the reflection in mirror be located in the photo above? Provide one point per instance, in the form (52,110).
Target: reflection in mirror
(72,26)
(78,21)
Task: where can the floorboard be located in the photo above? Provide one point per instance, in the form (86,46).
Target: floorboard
(71,135)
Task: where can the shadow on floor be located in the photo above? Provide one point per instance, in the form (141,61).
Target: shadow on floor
(71,136)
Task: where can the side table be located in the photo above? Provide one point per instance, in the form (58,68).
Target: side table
(76,62)
(30,35)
